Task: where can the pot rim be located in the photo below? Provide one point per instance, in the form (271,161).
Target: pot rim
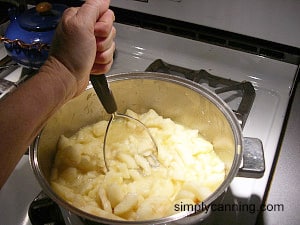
(211,96)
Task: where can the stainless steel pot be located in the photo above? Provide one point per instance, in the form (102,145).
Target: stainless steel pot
(183,101)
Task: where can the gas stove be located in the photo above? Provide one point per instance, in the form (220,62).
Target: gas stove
(143,45)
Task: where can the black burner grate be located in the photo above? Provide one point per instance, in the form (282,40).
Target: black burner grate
(238,95)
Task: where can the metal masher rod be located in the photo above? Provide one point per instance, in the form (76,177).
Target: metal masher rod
(107,99)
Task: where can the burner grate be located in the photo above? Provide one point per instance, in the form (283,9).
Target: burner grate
(238,95)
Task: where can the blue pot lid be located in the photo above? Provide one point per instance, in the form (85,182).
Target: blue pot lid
(33,20)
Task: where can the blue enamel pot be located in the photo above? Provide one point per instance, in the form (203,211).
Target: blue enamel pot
(29,35)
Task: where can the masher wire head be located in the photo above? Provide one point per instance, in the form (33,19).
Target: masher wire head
(154,162)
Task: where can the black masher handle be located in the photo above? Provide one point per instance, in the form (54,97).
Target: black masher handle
(104,93)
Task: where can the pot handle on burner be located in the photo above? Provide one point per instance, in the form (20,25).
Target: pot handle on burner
(253,163)
(43,210)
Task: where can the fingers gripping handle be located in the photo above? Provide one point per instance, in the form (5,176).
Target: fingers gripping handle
(104,93)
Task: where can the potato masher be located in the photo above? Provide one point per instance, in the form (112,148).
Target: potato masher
(107,99)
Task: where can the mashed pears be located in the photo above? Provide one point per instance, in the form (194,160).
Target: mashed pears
(189,170)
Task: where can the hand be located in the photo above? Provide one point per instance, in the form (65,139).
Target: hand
(83,43)
(105,34)
(84,40)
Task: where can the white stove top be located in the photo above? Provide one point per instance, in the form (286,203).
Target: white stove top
(136,50)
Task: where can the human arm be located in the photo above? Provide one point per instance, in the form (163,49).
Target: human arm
(64,75)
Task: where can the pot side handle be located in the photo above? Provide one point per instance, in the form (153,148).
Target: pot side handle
(253,163)
(43,210)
